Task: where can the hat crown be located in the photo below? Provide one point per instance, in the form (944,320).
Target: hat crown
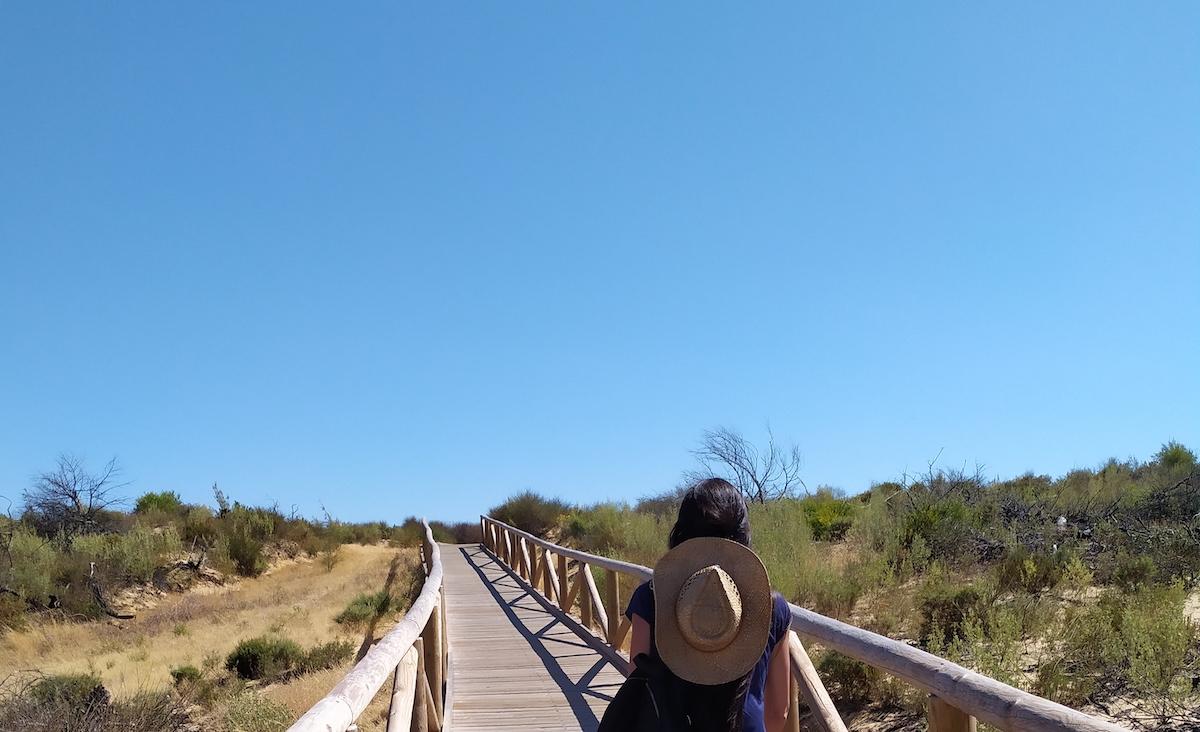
(709,609)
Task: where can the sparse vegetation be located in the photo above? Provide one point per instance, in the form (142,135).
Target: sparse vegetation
(264,657)
(72,548)
(1073,587)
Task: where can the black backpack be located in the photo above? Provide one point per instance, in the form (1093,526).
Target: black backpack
(648,701)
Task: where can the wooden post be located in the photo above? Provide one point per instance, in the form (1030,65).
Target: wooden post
(611,601)
(433,661)
(562,583)
(445,634)
(585,598)
(825,717)
(419,720)
(546,586)
(793,718)
(945,718)
(595,602)
(403,689)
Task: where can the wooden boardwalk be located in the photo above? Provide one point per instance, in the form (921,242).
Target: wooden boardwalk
(516,661)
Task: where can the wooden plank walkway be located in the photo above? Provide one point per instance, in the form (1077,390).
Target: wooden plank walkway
(515,662)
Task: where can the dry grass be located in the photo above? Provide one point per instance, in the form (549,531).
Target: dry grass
(298,599)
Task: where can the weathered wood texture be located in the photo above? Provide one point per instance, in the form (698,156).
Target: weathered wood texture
(404,684)
(825,716)
(518,663)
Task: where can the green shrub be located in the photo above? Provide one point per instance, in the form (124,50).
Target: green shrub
(167,502)
(408,533)
(847,680)
(12,613)
(198,526)
(246,553)
(614,530)
(364,608)
(829,517)
(945,525)
(1137,646)
(530,512)
(945,606)
(185,674)
(462,532)
(76,690)
(663,506)
(1021,570)
(79,702)
(326,655)
(264,657)
(1175,457)
(330,557)
(131,556)
(1133,573)
(251,712)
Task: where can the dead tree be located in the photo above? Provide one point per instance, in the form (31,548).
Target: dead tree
(69,501)
(760,474)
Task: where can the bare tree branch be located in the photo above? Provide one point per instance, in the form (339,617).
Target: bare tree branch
(68,501)
(761,475)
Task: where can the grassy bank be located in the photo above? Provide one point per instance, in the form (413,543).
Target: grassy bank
(194,635)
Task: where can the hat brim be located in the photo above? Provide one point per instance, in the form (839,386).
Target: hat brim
(747,647)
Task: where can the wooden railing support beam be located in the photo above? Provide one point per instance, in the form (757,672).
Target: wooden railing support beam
(564,600)
(946,718)
(812,690)
(611,606)
(432,638)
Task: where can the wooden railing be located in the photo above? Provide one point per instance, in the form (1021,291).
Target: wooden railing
(413,654)
(957,696)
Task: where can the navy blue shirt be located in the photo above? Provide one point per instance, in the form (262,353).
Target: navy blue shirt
(641,603)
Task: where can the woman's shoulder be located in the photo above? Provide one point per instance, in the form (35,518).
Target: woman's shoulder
(641,601)
(781,616)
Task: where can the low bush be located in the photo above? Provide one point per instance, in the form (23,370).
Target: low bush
(80,702)
(848,681)
(167,502)
(1022,570)
(329,558)
(246,553)
(264,657)
(1137,647)
(364,608)
(530,512)
(12,612)
(76,690)
(1132,573)
(828,516)
(185,674)
(131,556)
(662,505)
(945,606)
(614,529)
(251,712)
(945,526)
(326,655)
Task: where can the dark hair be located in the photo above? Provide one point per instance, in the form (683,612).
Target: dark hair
(714,507)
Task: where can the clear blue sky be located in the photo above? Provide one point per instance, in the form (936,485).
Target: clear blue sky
(407,259)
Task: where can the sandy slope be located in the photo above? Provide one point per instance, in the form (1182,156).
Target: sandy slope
(298,599)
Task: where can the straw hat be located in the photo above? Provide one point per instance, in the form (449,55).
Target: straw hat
(712,610)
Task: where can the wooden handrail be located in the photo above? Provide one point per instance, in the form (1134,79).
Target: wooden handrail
(952,687)
(392,657)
